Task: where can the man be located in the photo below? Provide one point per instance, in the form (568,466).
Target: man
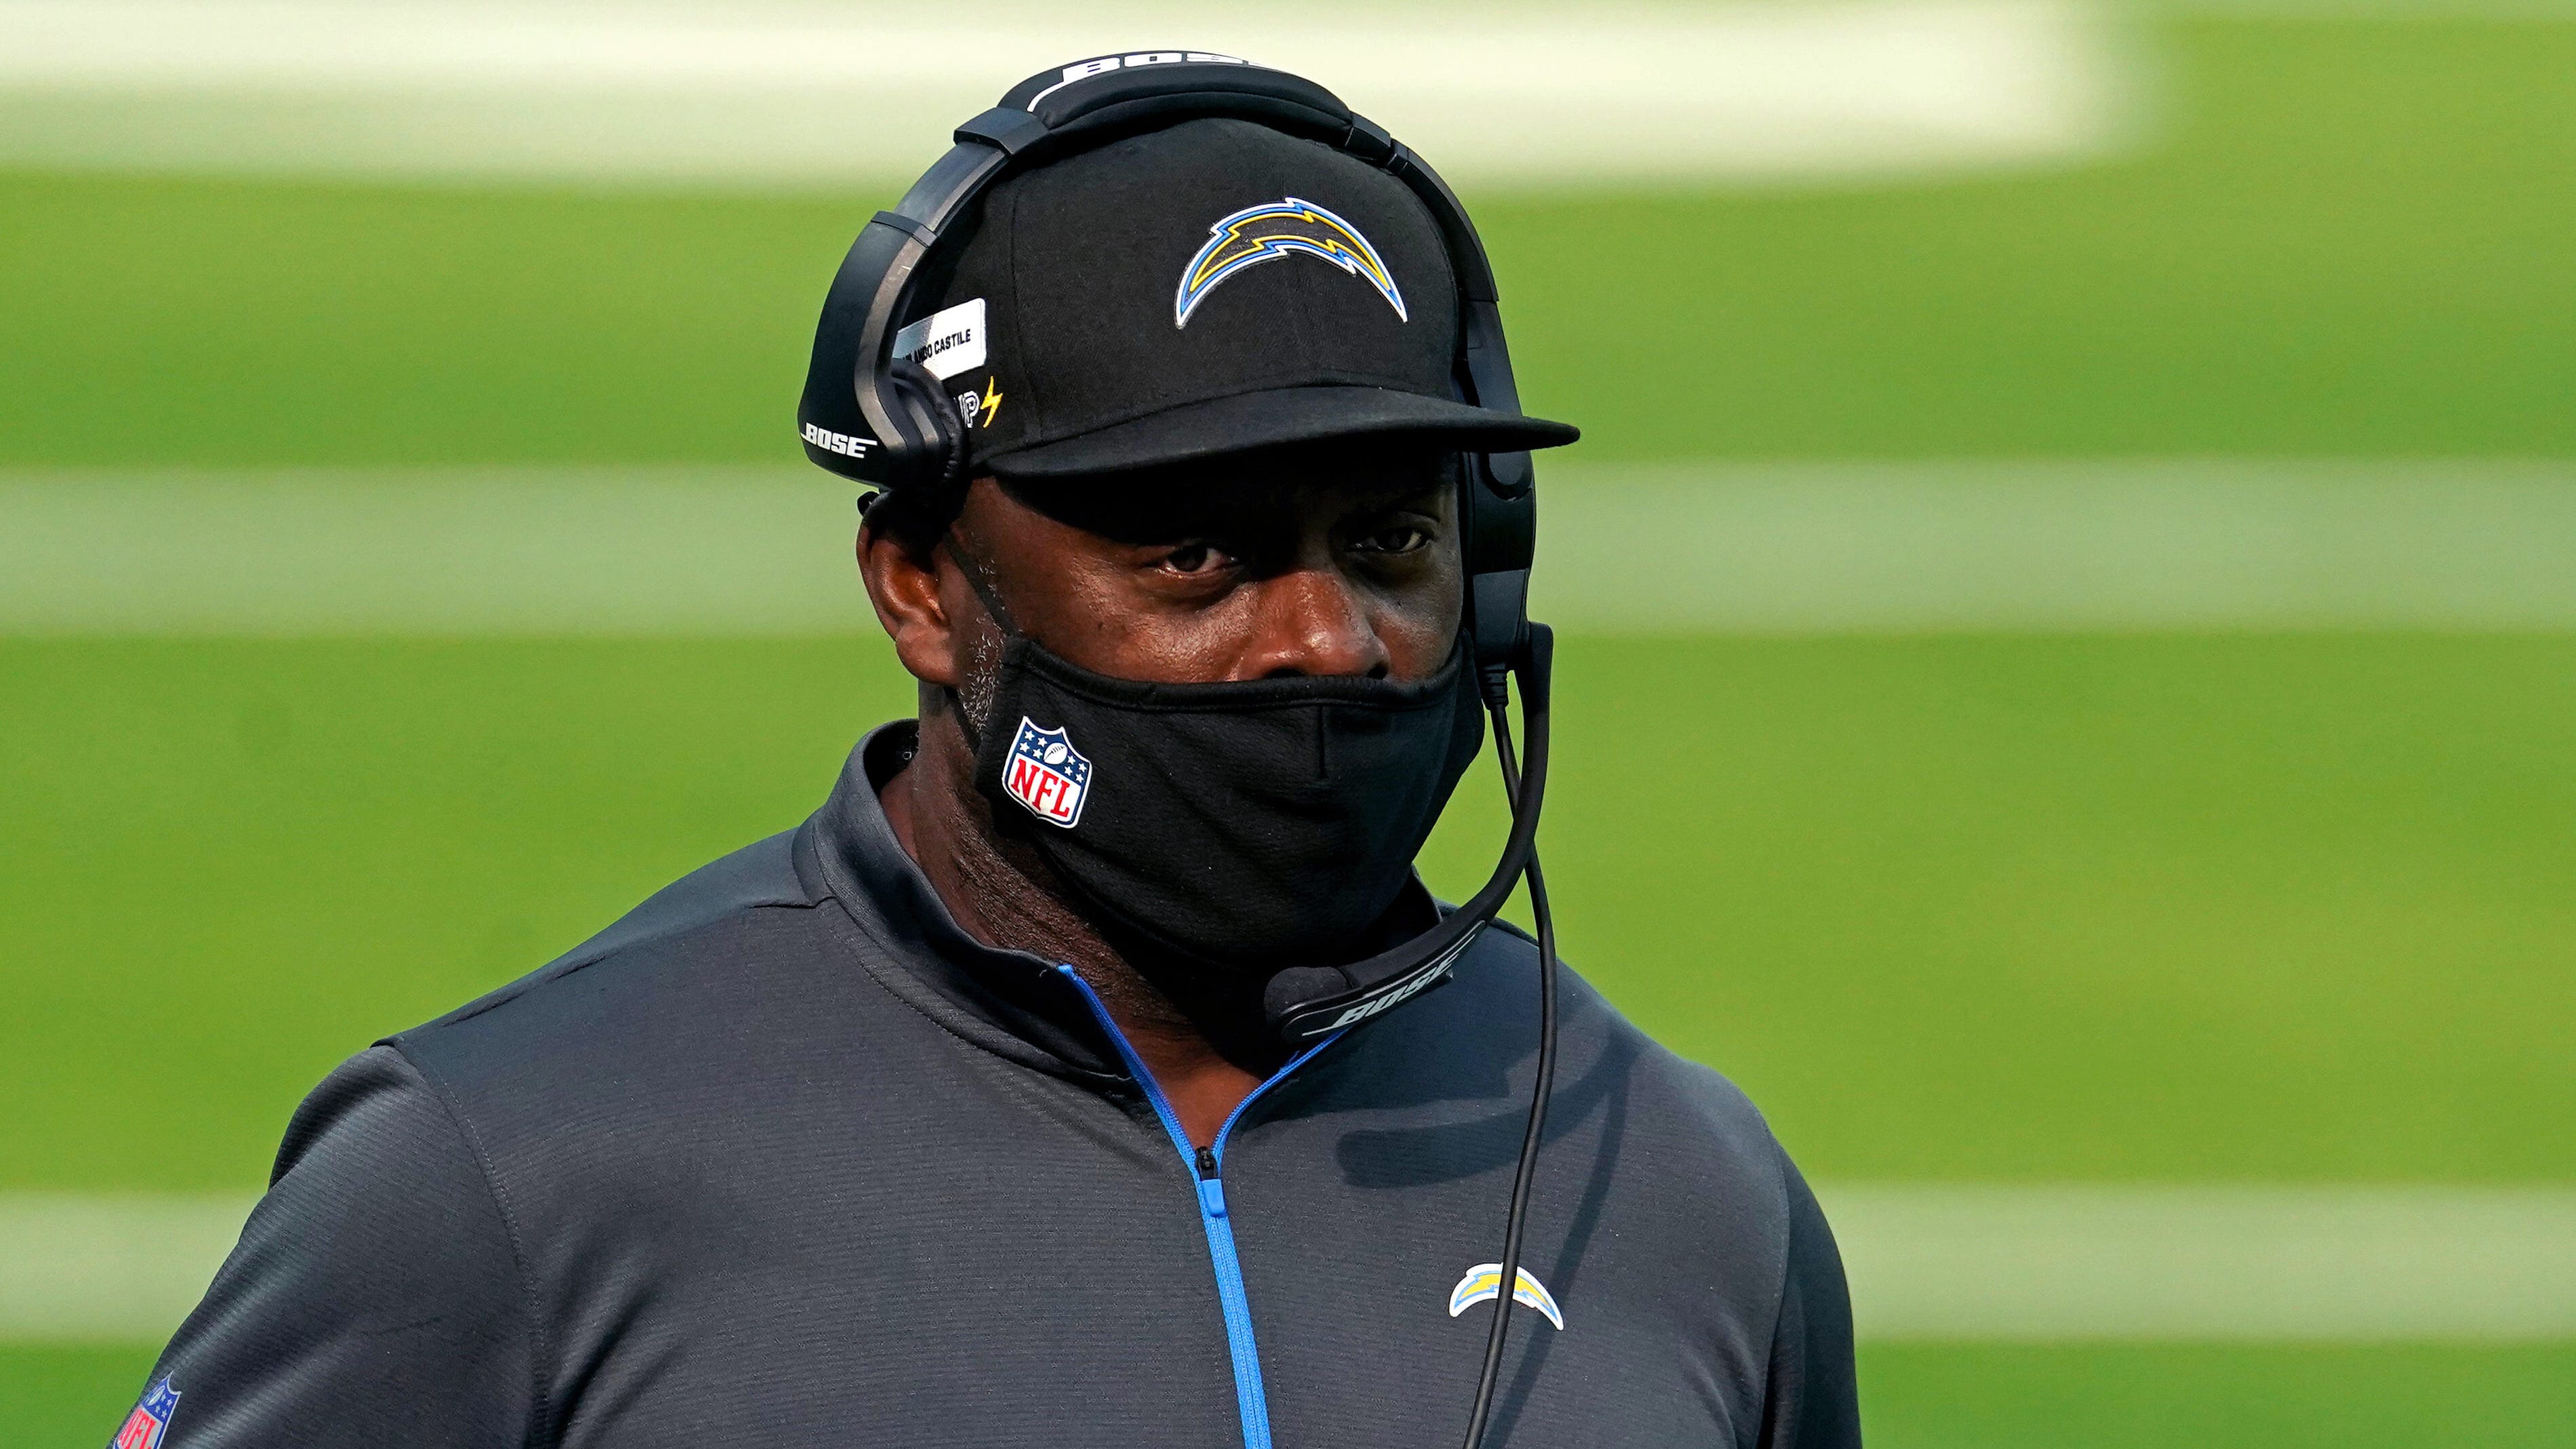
(952,1116)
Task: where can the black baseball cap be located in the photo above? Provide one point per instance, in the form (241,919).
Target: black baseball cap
(1206,289)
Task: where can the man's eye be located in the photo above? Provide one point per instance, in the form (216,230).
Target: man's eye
(1397,538)
(1194,558)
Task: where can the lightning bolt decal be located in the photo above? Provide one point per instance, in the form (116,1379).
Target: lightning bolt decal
(1276,229)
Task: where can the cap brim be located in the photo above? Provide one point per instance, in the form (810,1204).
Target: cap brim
(1277,417)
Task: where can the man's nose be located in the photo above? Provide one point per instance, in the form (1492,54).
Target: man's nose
(1311,621)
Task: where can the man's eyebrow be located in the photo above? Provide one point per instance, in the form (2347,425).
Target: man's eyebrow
(1399,493)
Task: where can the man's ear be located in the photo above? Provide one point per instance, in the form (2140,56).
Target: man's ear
(904,587)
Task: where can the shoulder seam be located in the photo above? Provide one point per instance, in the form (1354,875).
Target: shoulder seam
(539,1349)
(737,894)
(1780,1170)
(546,975)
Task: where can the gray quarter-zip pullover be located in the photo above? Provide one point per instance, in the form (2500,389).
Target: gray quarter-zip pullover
(786,1159)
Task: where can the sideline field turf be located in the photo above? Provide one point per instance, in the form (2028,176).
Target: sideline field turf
(740,97)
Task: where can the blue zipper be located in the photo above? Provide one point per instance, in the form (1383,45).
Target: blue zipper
(1207,1166)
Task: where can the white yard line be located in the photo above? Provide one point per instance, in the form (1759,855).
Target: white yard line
(1785,549)
(540,551)
(2209,1262)
(2190,545)
(768,94)
(1934,1263)
(80,1266)
(2511,11)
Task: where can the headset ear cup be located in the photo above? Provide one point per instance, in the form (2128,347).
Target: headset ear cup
(941,460)
(1498,534)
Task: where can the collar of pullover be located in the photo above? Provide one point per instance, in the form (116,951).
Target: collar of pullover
(1010,1002)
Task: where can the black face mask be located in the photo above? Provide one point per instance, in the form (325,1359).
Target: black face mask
(1246,826)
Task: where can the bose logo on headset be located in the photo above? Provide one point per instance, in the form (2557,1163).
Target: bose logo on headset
(1430,977)
(1397,997)
(842,443)
(1141,59)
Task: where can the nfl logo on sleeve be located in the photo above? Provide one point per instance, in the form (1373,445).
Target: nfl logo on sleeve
(1047,774)
(150,1419)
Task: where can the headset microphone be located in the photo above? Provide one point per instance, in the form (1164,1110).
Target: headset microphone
(885,421)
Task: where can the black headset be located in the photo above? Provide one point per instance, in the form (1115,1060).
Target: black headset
(881,420)
(886,421)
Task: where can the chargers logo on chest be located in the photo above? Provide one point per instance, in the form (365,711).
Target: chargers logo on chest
(1484,1283)
(1047,774)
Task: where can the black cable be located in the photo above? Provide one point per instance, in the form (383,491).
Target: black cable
(1509,1283)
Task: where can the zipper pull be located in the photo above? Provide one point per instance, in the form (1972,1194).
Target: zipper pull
(1211,1187)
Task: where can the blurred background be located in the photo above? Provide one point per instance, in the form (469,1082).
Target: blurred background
(2069,597)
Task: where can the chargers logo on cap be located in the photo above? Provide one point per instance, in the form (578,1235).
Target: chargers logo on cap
(1273,230)
(1047,774)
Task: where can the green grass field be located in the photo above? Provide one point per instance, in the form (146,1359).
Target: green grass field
(2347,238)
(1970,909)
(1978,909)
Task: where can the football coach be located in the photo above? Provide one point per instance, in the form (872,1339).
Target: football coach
(1090,1069)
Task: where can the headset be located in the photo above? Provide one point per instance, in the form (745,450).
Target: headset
(886,422)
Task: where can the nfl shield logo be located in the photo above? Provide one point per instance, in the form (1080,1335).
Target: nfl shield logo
(150,1419)
(1047,774)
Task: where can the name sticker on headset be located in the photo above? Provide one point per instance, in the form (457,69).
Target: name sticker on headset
(946,342)
(1047,774)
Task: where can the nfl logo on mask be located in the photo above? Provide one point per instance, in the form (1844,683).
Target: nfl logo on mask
(1047,774)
